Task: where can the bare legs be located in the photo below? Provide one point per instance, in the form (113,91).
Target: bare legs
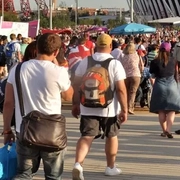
(162,120)
(111,148)
(170,120)
(166,119)
(82,148)
(84,144)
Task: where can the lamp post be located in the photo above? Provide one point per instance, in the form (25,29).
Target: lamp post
(132,10)
(76,12)
(2,10)
(38,9)
(50,17)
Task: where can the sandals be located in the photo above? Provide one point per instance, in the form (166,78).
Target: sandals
(163,134)
(169,135)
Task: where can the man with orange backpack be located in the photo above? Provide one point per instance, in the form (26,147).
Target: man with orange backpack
(99,91)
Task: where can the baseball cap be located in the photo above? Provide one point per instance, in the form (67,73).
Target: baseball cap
(166,46)
(104,40)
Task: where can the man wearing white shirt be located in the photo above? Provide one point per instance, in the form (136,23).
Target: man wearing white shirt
(108,119)
(43,84)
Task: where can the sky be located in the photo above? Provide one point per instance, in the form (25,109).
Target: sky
(83,3)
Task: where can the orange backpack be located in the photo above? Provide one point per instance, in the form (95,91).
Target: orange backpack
(95,90)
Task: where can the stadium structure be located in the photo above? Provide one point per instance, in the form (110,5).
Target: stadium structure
(25,6)
(156,9)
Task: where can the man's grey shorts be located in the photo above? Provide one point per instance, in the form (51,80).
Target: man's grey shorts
(95,125)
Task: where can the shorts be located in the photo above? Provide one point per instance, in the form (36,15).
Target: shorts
(95,125)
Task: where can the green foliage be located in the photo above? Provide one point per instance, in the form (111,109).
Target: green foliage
(89,21)
(44,22)
(59,21)
(116,22)
(64,19)
(97,21)
(86,21)
(176,27)
(10,16)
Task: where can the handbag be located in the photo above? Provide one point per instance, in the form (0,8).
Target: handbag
(38,130)
(8,161)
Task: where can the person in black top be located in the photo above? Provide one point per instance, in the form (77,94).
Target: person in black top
(165,100)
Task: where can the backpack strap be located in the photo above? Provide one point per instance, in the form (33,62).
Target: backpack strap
(11,43)
(92,62)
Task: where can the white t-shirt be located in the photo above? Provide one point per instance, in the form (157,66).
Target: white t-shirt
(116,73)
(117,53)
(140,47)
(42,82)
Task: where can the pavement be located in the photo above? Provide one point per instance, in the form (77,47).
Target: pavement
(143,154)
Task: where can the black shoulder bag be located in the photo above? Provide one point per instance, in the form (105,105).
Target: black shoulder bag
(38,130)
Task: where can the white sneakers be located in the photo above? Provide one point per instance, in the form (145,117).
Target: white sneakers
(77,173)
(112,172)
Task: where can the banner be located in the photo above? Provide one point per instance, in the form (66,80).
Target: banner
(8,27)
(33,28)
(27,29)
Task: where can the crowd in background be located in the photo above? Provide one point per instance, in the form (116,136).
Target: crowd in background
(151,57)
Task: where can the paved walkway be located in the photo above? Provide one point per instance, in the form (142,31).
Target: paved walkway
(142,155)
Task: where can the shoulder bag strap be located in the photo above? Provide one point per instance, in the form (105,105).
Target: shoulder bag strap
(19,88)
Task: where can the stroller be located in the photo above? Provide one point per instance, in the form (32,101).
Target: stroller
(143,95)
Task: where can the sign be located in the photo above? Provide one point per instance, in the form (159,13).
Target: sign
(8,27)
(27,29)
(33,28)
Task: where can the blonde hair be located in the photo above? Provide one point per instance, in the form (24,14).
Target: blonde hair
(24,40)
(130,48)
(121,41)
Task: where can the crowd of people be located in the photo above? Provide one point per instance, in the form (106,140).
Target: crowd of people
(101,75)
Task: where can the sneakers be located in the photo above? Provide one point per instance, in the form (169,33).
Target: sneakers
(77,173)
(112,172)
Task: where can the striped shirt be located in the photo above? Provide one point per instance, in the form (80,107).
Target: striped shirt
(77,54)
(152,55)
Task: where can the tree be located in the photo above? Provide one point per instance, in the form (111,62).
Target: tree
(63,4)
(97,21)
(111,23)
(60,20)
(11,16)
(86,21)
(44,22)
(116,22)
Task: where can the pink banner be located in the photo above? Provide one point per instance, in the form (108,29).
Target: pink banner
(33,28)
(6,25)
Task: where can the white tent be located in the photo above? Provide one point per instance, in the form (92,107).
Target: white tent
(170,20)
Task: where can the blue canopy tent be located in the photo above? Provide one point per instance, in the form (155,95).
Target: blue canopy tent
(132,28)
